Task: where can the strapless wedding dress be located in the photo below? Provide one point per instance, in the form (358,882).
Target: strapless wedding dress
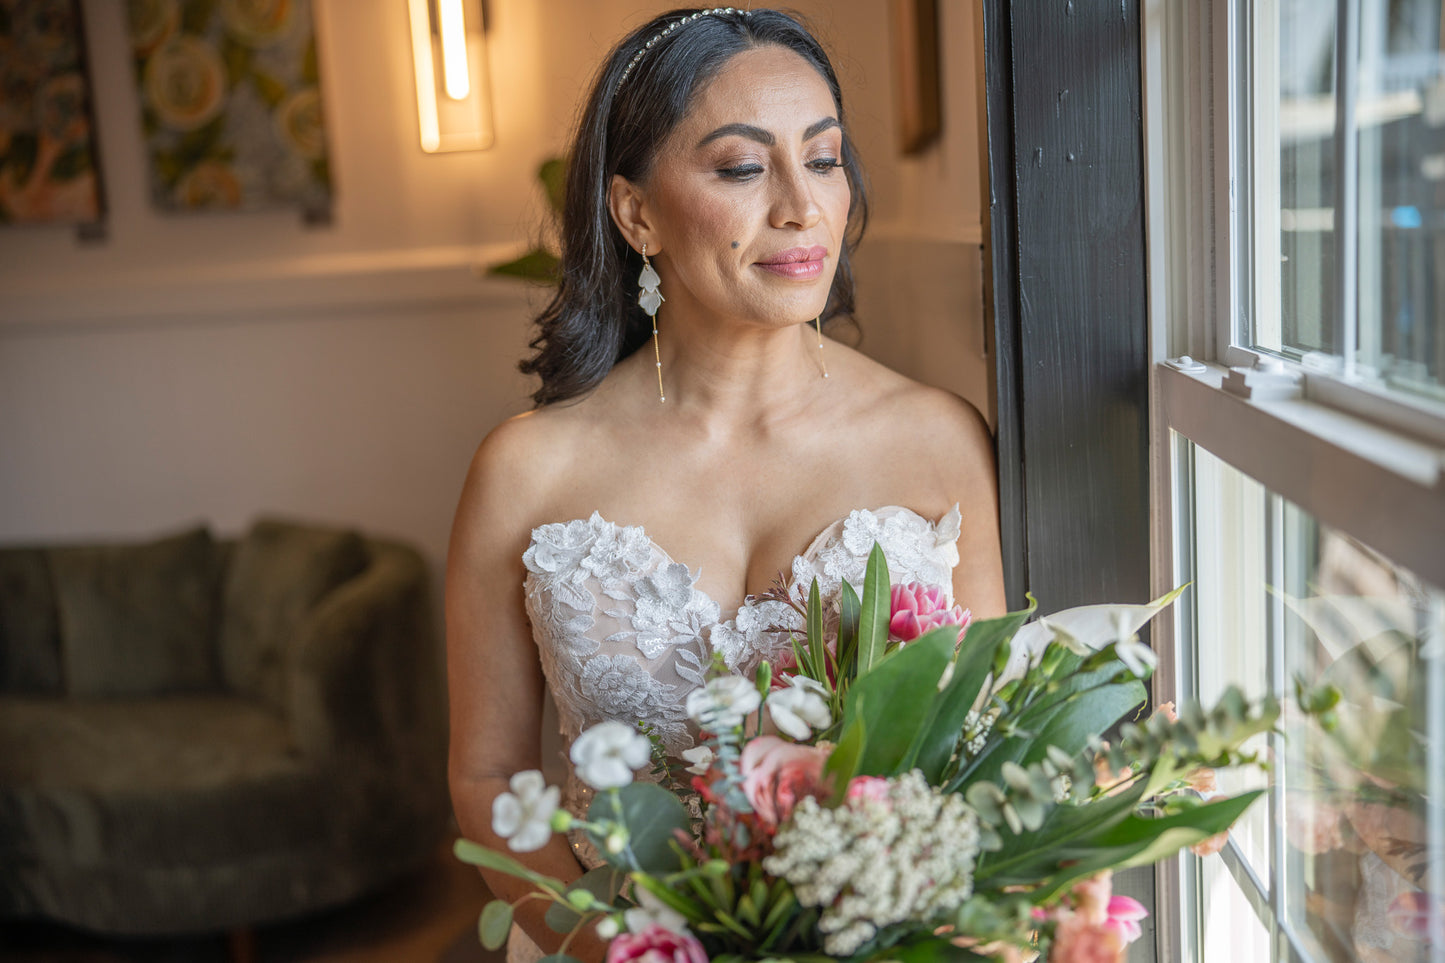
(624,632)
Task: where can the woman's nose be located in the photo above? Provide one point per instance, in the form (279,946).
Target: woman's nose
(794,204)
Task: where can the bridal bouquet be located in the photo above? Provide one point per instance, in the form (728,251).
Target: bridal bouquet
(891,791)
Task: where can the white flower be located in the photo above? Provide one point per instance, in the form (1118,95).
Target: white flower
(723,703)
(607,754)
(607,928)
(523,817)
(800,708)
(701,758)
(653,912)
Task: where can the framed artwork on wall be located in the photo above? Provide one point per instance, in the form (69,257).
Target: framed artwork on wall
(231,106)
(916,69)
(48,162)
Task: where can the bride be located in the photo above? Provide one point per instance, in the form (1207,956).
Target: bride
(696,436)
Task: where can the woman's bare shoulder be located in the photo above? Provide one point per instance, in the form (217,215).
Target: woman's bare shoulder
(518,470)
(891,399)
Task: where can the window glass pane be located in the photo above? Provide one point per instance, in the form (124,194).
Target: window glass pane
(1358,850)
(1399,85)
(1231,931)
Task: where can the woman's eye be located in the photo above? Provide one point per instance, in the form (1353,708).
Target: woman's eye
(742,172)
(824,165)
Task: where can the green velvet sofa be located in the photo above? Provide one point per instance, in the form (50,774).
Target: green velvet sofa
(201,735)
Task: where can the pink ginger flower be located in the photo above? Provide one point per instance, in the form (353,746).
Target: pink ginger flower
(1125,912)
(919,608)
(655,945)
(777,774)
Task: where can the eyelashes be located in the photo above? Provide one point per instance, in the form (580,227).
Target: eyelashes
(742,173)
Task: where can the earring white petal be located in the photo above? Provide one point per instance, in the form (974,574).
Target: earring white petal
(651,299)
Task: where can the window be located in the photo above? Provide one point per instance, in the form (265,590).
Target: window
(1296,156)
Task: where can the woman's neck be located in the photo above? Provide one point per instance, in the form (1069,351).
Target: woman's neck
(740,373)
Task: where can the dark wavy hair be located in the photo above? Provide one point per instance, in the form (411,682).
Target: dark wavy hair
(593,320)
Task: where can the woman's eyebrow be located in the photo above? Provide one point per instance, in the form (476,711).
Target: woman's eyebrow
(752,132)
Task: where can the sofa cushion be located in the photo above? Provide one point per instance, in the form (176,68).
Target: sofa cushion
(137,619)
(278,573)
(29,627)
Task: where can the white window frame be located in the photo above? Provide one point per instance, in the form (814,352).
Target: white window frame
(1362,461)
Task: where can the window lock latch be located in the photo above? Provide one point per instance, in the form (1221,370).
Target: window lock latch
(1267,380)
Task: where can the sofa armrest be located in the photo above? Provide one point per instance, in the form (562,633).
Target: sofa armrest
(365,681)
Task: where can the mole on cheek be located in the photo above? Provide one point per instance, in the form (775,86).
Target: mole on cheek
(735,245)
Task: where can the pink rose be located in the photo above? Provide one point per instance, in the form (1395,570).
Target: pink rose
(655,945)
(1078,941)
(777,773)
(868,788)
(918,608)
(1090,897)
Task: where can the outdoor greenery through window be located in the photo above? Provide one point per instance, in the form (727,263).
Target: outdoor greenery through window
(1368,303)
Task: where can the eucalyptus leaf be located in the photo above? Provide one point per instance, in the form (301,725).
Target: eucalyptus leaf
(652,817)
(604,883)
(495,923)
(559,958)
(478,855)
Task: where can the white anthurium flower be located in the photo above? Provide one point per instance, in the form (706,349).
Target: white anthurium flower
(701,758)
(723,703)
(1085,629)
(607,754)
(523,817)
(651,911)
(800,708)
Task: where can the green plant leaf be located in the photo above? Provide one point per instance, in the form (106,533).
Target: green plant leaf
(538,265)
(1141,841)
(1032,855)
(817,646)
(874,612)
(937,737)
(495,923)
(894,700)
(479,855)
(849,609)
(559,958)
(1086,715)
(652,816)
(604,883)
(842,762)
(693,910)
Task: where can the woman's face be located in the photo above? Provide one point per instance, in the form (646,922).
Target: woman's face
(746,201)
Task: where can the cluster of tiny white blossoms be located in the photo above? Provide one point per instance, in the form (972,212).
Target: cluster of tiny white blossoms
(870,863)
(976,728)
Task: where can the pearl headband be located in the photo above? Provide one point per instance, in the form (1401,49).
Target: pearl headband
(684,21)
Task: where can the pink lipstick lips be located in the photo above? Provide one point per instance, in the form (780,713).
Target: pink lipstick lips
(799,263)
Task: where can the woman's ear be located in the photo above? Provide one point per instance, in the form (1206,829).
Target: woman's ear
(627,206)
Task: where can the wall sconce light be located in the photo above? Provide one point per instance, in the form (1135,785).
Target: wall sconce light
(453,81)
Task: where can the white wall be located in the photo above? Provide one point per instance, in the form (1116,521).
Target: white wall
(217,366)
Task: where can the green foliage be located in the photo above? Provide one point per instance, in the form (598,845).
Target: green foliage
(873,615)
(601,887)
(470,852)
(540,265)
(495,923)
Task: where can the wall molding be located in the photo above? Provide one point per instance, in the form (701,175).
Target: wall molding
(298,287)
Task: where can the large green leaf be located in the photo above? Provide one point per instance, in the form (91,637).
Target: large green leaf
(604,883)
(652,816)
(817,658)
(1088,714)
(1142,841)
(842,763)
(553,175)
(539,265)
(937,736)
(478,855)
(874,612)
(894,700)
(849,612)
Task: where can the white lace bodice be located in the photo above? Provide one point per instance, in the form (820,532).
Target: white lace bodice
(625,633)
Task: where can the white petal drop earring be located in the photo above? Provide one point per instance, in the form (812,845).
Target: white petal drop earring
(650,299)
(818,321)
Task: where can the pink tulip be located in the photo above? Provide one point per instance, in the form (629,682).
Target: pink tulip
(655,945)
(918,608)
(1125,912)
(1416,916)
(777,774)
